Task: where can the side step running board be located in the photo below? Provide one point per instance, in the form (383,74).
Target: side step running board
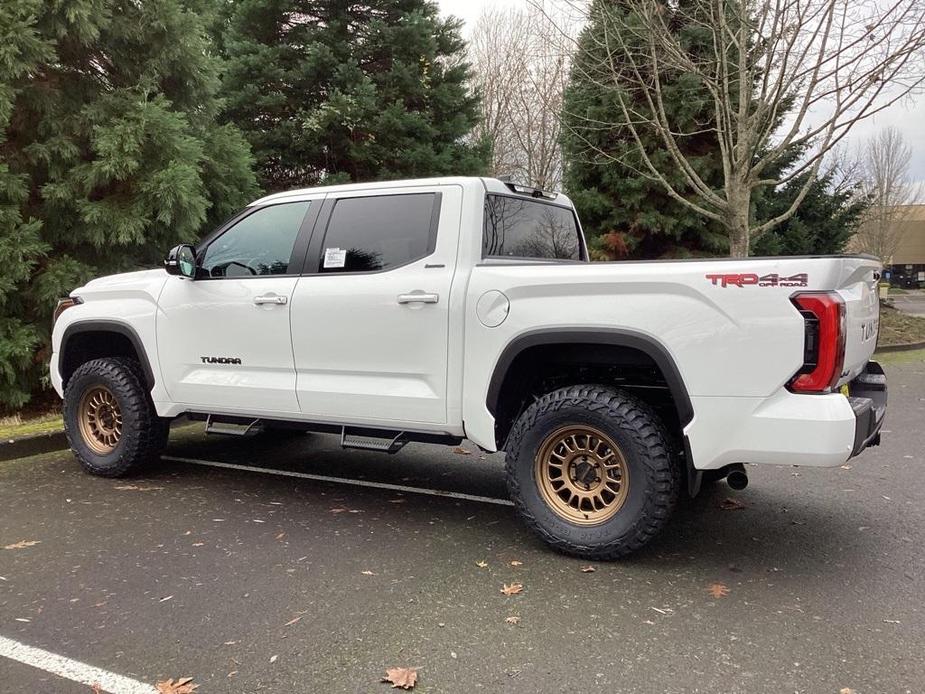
(231,428)
(367,440)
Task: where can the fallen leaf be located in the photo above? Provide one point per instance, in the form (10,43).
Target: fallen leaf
(337,510)
(97,688)
(512,588)
(184,685)
(846,690)
(718,590)
(588,569)
(368,573)
(513,619)
(292,621)
(22,544)
(404,677)
(517,563)
(281,536)
(274,658)
(169,597)
(480,564)
(397,501)
(459,450)
(731,505)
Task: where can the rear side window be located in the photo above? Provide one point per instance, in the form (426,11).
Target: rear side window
(380,232)
(526,228)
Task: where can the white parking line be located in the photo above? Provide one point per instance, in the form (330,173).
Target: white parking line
(343,480)
(73,670)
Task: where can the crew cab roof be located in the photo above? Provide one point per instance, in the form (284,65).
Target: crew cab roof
(491,185)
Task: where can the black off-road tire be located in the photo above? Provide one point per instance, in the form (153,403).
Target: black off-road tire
(654,478)
(144,434)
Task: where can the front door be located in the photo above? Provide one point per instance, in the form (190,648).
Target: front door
(223,338)
(370,315)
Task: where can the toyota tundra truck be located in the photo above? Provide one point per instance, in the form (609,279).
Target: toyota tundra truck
(433,310)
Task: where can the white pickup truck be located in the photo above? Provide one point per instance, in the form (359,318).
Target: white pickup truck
(433,310)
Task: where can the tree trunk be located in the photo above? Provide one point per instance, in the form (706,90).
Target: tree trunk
(738,242)
(737,223)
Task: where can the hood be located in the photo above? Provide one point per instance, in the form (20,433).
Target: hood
(125,280)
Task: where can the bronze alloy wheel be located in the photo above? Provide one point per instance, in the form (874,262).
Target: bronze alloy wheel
(100,419)
(582,475)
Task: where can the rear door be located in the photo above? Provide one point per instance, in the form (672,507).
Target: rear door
(223,338)
(370,314)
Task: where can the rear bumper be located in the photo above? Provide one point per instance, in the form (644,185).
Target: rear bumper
(789,428)
(868,402)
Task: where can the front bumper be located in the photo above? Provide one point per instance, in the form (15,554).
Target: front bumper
(867,397)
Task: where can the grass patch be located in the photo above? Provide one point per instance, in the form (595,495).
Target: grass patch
(910,357)
(16,427)
(898,328)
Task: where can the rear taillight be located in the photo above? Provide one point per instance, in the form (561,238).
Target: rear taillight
(824,345)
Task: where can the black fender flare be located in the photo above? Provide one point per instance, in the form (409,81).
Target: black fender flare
(617,337)
(110,326)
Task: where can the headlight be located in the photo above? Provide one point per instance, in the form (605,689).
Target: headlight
(63,305)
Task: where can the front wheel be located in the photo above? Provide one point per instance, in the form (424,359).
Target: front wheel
(110,422)
(589,470)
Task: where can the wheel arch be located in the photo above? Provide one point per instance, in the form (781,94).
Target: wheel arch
(623,343)
(91,339)
(614,337)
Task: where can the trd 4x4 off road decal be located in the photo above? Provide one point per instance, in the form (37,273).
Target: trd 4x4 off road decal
(750,279)
(220,360)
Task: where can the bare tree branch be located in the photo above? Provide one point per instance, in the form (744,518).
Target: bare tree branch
(885,164)
(781,75)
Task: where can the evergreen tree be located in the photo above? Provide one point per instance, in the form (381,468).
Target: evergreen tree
(624,214)
(329,91)
(826,219)
(110,154)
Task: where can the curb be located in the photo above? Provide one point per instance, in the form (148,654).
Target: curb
(33,445)
(11,449)
(908,347)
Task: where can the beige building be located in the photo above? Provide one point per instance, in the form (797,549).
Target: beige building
(908,266)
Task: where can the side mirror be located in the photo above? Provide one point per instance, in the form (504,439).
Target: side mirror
(181,260)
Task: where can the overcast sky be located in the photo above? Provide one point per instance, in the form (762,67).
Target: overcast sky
(908,117)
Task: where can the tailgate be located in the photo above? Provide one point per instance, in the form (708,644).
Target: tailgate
(857,285)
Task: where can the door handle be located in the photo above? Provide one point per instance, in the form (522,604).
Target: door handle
(270,299)
(419,298)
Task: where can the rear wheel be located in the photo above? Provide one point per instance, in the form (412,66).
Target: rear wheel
(109,419)
(589,470)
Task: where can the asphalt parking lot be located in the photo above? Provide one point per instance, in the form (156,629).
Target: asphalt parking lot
(256,582)
(911,302)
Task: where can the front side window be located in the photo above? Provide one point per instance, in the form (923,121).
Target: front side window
(526,228)
(379,232)
(260,244)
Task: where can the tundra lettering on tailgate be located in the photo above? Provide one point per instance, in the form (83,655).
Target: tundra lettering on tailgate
(749,279)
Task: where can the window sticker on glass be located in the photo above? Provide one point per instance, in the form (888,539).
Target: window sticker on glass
(335,257)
